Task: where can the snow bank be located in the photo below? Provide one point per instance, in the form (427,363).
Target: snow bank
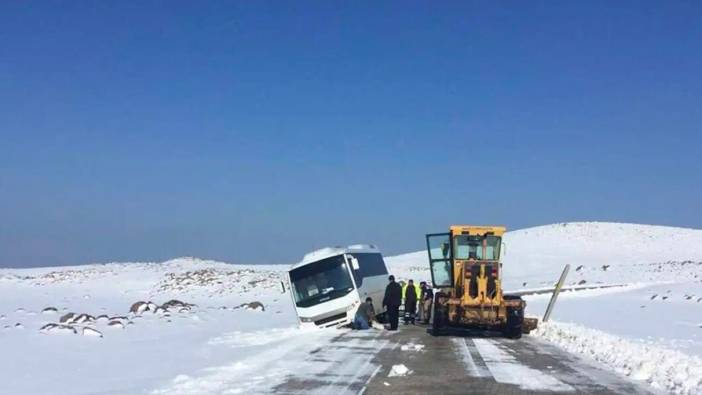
(664,369)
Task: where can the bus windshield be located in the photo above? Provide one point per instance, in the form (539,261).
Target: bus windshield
(321,281)
(477,247)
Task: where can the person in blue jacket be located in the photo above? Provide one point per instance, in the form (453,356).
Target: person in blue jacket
(364,315)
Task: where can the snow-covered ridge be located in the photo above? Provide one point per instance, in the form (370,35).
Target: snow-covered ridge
(175,275)
(176,264)
(536,256)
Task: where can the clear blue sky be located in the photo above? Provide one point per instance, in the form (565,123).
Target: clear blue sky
(253,132)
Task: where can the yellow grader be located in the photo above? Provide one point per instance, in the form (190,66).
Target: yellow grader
(465,267)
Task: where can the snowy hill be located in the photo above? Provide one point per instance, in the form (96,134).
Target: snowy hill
(190,323)
(630,252)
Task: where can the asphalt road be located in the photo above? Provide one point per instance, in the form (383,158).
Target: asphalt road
(368,362)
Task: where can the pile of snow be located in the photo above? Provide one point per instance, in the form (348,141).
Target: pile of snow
(399,371)
(664,369)
(412,347)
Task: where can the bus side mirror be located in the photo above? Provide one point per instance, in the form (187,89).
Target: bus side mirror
(282,287)
(354,262)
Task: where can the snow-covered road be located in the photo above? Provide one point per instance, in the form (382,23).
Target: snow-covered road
(414,362)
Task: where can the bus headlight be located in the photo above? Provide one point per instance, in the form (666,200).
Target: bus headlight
(305,319)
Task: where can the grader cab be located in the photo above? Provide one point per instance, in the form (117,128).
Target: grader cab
(466,268)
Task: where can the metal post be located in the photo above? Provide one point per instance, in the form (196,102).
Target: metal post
(556,291)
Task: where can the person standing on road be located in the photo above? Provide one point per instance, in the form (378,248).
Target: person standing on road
(364,315)
(411,294)
(427,298)
(391,301)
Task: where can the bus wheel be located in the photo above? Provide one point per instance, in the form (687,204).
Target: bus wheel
(382,318)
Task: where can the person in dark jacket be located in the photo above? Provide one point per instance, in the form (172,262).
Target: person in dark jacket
(411,295)
(364,315)
(425,304)
(392,301)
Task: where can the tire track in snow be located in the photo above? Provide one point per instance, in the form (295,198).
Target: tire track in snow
(469,355)
(350,364)
(506,369)
(260,366)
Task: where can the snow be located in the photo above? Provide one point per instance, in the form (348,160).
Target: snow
(536,256)
(656,302)
(399,371)
(115,327)
(412,347)
(506,369)
(264,365)
(137,352)
(664,369)
(629,312)
(461,347)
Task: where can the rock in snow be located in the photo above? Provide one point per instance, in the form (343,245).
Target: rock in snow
(83,319)
(115,324)
(50,310)
(255,306)
(67,318)
(139,307)
(57,329)
(87,331)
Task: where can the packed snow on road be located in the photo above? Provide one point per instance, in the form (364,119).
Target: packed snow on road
(633,304)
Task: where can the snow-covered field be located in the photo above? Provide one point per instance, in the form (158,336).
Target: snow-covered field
(225,325)
(137,352)
(656,309)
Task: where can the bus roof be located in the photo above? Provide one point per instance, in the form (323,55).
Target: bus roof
(327,252)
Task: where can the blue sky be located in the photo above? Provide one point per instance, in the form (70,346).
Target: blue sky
(253,132)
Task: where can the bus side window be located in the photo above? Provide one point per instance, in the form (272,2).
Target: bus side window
(370,265)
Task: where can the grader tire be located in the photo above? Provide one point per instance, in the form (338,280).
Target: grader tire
(439,317)
(515,319)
